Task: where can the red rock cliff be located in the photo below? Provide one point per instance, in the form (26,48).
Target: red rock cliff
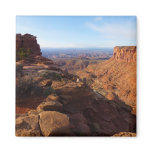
(125,53)
(28,41)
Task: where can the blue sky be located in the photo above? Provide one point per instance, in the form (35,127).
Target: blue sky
(79,31)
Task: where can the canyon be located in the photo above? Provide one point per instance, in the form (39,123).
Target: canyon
(95,99)
(115,78)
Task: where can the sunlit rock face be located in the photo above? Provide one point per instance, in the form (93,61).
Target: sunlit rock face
(125,53)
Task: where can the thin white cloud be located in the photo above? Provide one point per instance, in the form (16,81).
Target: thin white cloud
(114,30)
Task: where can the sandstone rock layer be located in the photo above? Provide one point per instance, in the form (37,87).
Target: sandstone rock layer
(125,53)
(54,123)
(28,41)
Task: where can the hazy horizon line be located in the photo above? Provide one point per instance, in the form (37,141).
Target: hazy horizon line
(86,47)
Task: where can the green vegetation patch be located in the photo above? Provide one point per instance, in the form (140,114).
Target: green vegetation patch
(22,53)
(27,86)
(51,75)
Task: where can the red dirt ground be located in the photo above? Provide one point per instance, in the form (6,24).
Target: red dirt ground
(24,105)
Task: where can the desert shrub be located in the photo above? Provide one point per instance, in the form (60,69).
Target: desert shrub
(22,53)
(87,82)
(48,90)
(51,75)
(27,86)
(19,68)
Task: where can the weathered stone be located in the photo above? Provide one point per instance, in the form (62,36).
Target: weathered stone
(31,121)
(28,41)
(125,134)
(78,124)
(26,132)
(50,106)
(78,116)
(65,99)
(52,97)
(125,53)
(32,112)
(46,83)
(54,123)
(27,126)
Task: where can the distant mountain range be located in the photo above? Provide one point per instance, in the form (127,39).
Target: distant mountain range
(90,53)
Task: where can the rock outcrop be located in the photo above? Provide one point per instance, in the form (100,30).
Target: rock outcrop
(125,53)
(82,115)
(54,123)
(27,125)
(115,78)
(50,106)
(28,54)
(44,123)
(28,41)
(125,134)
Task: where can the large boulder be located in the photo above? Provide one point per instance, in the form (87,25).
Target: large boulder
(79,124)
(54,123)
(27,126)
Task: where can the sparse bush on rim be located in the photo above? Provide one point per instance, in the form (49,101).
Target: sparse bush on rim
(22,53)
(51,75)
(27,86)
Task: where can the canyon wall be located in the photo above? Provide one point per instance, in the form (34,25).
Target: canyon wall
(28,41)
(125,53)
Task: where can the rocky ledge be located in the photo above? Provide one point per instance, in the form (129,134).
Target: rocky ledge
(125,53)
(71,115)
